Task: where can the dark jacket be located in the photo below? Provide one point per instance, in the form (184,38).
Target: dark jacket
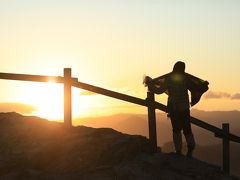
(176,85)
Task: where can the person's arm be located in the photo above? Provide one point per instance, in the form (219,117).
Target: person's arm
(158,90)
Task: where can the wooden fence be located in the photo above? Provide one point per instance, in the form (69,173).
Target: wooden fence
(149,102)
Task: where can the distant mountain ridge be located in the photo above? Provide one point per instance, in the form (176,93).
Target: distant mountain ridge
(34,148)
(138,124)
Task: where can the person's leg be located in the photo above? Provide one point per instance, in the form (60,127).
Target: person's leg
(177,136)
(190,144)
(187,130)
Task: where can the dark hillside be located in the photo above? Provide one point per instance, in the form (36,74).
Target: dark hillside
(34,148)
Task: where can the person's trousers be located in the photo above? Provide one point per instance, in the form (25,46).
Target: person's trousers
(181,121)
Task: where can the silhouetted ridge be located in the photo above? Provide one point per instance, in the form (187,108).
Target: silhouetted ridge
(34,148)
(48,146)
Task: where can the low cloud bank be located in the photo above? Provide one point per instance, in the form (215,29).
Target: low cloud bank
(17,107)
(221,95)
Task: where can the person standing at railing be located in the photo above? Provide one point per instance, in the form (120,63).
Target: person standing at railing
(176,84)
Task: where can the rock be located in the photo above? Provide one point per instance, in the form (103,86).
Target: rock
(34,148)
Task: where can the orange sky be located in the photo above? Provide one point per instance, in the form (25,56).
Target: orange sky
(112,44)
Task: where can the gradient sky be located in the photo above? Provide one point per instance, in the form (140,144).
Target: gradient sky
(112,43)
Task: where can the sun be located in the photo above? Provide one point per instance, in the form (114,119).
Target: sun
(48,98)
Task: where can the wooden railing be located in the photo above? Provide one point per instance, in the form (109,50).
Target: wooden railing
(149,102)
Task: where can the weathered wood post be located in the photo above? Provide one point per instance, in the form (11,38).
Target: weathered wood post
(67,97)
(152,121)
(226,149)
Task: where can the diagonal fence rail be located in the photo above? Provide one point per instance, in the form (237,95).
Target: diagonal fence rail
(144,102)
(149,102)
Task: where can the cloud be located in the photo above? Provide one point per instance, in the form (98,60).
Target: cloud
(17,107)
(236,96)
(217,95)
(87,93)
(221,95)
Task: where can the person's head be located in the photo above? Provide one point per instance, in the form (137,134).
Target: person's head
(179,67)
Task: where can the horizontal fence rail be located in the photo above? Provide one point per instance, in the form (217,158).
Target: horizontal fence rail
(34,78)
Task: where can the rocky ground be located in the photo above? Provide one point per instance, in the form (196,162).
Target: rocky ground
(34,148)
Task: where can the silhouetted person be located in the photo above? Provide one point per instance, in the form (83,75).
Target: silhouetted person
(176,85)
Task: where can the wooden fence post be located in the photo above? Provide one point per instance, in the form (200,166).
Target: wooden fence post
(152,121)
(226,150)
(67,97)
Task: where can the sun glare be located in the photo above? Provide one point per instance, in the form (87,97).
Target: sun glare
(48,98)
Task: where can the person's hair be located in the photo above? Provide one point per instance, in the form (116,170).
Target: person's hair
(179,67)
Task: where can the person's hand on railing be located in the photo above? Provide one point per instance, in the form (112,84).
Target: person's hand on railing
(146,80)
